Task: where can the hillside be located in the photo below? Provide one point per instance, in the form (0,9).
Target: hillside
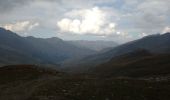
(30,82)
(136,64)
(14,73)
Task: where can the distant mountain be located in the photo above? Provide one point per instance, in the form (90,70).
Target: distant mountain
(57,50)
(15,49)
(97,45)
(154,43)
(140,63)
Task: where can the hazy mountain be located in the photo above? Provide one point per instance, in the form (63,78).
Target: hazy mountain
(27,50)
(97,45)
(153,43)
(57,50)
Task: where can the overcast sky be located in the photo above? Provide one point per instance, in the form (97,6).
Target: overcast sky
(116,20)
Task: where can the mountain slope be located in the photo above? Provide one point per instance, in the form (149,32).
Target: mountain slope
(140,63)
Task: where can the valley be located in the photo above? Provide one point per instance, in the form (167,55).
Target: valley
(84,49)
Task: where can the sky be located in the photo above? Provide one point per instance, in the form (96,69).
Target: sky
(110,20)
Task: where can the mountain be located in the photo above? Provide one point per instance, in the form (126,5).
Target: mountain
(139,63)
(15,49)
(57,50)
(97,45)
(154,43)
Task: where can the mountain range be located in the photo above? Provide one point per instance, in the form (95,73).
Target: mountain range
(15,49)
(156,44)
(129,59)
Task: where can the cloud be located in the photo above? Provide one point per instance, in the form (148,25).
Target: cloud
(8,5)
(22,26)
(148,16)
(113,18)
(87,21)
(166,29)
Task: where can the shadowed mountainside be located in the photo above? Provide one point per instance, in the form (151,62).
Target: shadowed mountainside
(140,63)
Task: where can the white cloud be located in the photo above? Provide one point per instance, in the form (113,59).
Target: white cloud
(166,29)
(143,35)
(122,34)
(87,21)
(149,16)
(21,26)
(33,25)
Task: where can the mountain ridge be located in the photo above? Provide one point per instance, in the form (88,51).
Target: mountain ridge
(30,50)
